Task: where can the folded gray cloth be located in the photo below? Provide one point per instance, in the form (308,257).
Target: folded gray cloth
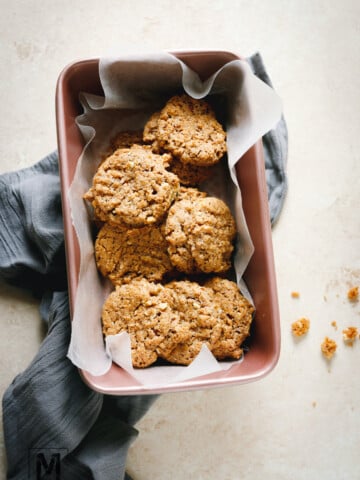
(275,145)
(53,423)
(48,409)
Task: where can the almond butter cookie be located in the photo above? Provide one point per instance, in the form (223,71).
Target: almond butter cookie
(190,175)
(132,186)
(127,139)
(235,320)
(189,130)
(124,253)
(190,193)
(150,134)
(200,233)
(124,139)
(199,316)
(143,309)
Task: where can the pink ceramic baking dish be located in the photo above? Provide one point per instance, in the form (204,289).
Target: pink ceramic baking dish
(264,343)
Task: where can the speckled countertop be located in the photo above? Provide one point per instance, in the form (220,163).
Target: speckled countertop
(303,420)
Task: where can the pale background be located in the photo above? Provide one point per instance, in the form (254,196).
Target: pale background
(303,420)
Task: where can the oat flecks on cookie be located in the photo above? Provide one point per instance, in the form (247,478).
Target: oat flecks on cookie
(126,139)
(189,130)
(150,134)
(190,175)
(174,321)
(200,233)
(143,309)
(189,193)
(123,139)
(215,314)
(236,319)
(200,315)
(124,253)
(133,187)
(157,225)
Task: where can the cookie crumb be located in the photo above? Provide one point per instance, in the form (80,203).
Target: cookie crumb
(328,347)
(334,324)
(350,335)
(314,404)
(300,327)
(353,294)
(295,294)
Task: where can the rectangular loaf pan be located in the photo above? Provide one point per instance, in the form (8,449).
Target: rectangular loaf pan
(264,343)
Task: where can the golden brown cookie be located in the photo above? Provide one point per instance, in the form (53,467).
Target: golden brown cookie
(124,139)
(188,129)
(235,321)
(189,193)
(127,139)
(190,175)
(200,233)
(150,132)
(124,253)
(199,316)
(132,186)
(143,309)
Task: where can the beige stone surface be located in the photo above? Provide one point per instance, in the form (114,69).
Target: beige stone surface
(303,420)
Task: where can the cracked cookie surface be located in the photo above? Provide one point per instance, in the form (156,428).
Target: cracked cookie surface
(199,315)
(189,130)
(200,233)
(127,139)
(215,314)
(150,134)
(190,175)
(132,186)
(174,321)
(124,253)
(144,310)
(236,318)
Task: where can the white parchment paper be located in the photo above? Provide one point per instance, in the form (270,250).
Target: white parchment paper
(134,87)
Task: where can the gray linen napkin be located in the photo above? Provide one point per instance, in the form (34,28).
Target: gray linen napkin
(52,420)
(53,423)
(275,145)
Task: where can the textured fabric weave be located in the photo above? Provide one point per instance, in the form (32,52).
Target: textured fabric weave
(48,408)
(275,145)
